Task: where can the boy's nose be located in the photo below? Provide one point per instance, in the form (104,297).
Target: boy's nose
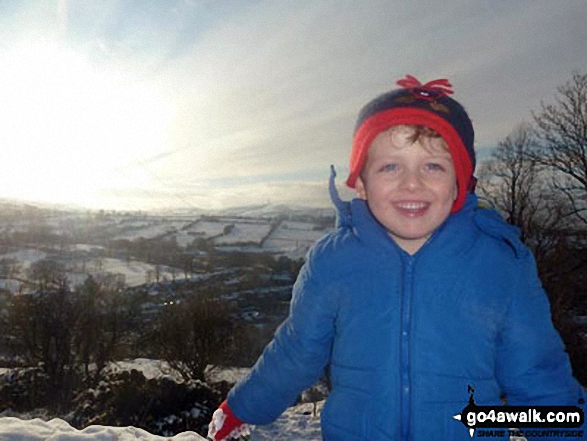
(412,180)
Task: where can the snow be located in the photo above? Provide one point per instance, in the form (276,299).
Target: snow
(293,239)
(86,247)
(200,229)
(153,368)
(207,228)
(15,429)
(25,255)
(184,238)
(150,368)
(296,423)
(245,232)
(134,272)
(295,225)
(297,231)
(11,285)
(151,231)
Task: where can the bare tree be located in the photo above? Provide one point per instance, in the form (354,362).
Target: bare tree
(514,183)
(47,273)
(98,330)
(61,331)
(537,177)
(520,184)
(43,325)
(158,272)
(561,129)
(193,334)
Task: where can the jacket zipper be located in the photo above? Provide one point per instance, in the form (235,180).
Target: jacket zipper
(406,309)
(406,338)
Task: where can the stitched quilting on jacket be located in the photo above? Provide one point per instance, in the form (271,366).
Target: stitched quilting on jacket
(405,337)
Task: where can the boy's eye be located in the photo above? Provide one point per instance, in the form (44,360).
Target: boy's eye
(389,168)
(434,167)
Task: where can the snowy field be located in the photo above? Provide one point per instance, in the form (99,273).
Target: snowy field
(10,285)
(208,229)
(200,229)
(152,230)
(25,256)
(86,247)
(293,239)
(134,272)
(245,232)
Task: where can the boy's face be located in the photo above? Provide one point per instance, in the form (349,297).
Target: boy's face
(409,187)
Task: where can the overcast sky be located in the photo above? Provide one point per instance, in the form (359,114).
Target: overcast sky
(212,103)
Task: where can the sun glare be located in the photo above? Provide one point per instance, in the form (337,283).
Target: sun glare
(69,128)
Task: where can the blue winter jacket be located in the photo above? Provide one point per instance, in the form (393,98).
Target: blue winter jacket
(404,336)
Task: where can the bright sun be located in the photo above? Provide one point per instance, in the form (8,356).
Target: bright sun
(70,130)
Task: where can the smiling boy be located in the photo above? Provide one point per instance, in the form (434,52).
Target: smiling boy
(418,297)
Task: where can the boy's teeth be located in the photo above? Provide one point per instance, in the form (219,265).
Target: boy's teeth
(411,205)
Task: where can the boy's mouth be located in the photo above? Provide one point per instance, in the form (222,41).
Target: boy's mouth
(412,208)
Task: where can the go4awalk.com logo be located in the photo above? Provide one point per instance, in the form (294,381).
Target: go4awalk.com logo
(529,417)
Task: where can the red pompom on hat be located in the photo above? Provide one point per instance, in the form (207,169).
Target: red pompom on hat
(419,104)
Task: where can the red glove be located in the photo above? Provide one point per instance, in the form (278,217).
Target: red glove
(226,426)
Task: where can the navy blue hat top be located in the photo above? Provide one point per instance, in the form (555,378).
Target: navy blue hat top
(430,97)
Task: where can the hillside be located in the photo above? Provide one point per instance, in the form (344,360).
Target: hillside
(137,246)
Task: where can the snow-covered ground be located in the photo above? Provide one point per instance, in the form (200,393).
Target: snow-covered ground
(240,231)
(10,285)
(150,231)
(227,233)
(134,272)
(15,429)
(149,367)
(297,423)
(25,256)
(293,239)
(86,247)
(245,232)
(208,229)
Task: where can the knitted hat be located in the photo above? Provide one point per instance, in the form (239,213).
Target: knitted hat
(419,104)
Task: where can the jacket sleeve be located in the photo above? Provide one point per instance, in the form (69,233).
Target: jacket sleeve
(295,358)
(533,367)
